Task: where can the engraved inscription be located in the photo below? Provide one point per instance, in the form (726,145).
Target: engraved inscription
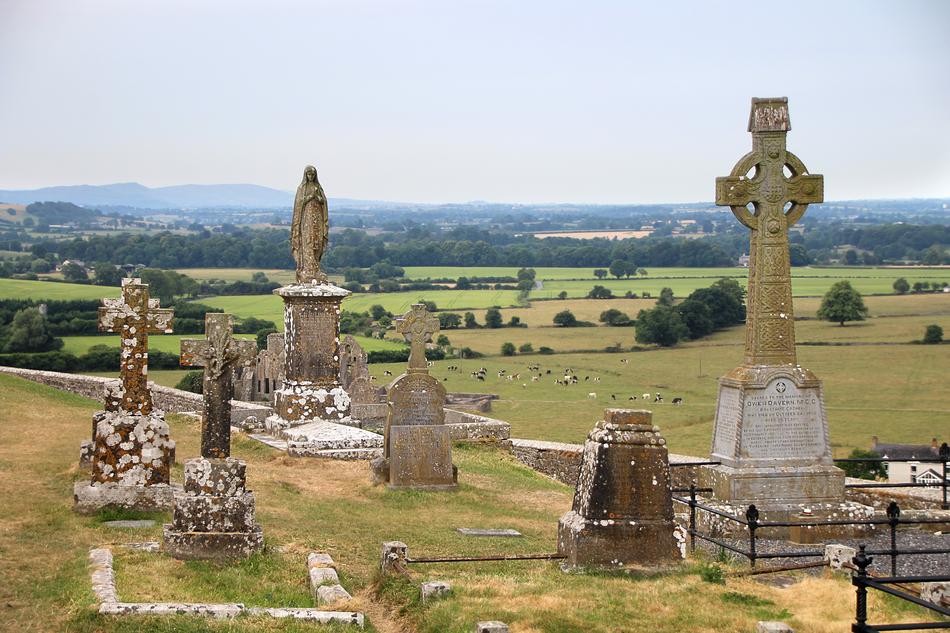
(315,344)
(782,421)
(728,416)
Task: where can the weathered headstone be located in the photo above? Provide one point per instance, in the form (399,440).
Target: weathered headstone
(771,430)
(132,450)
(418,445)
(311,388)
(622,514)
(214,517)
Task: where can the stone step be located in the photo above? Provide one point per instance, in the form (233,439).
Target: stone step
(349,454)
(270,440)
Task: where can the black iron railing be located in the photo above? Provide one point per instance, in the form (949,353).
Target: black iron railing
(894,586)
(752,524)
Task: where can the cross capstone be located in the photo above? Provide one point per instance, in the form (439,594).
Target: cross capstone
(417,326)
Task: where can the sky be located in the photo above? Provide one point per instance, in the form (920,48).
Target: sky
(453,101)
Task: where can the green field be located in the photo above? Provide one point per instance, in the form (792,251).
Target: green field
(279,275)
(270,307)
(171,343)
(24,289)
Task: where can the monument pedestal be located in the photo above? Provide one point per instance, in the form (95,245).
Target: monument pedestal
(622,514)
(131,460)
(311,389)
(771,437)
(214,517)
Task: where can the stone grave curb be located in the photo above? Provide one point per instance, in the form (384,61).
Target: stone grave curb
(102,576)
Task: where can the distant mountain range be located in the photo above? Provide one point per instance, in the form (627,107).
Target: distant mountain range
(132,194)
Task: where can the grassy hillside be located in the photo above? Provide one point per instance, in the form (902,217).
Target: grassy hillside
(307,505)
(24,289)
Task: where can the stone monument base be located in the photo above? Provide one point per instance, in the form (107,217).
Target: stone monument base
(299,402)
(214,517)
(90,498)
(780,485)
(211,545)
(793,513)
(622,515)
(617,543)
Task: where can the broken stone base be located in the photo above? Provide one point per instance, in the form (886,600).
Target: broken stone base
(90,498)
(86,451)
(620,543)
(214,517)
(132,449)
(298,402)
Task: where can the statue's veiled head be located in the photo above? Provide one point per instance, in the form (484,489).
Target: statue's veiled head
(309,174)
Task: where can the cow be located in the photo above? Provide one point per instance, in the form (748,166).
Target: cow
(677,401)
(387,373)
(592,396)
(645,396)
(658,398)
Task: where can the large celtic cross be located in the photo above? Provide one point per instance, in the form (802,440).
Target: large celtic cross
(219,353)
(134,317)
(417,326)
(779,201)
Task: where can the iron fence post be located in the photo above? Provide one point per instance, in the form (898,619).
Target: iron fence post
(861,561)
(945,456)
(893,518)
(752,516)
(692,516)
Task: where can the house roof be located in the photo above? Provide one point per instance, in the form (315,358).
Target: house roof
(907,451)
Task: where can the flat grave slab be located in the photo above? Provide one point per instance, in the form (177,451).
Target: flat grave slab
(498,532)
(130,524)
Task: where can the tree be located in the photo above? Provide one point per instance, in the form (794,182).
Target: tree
(259,278)
(614,317)
(662,325)
(600,273)
(642,272)
(864,470)
(430,305)
(442,341)
(527,274)
(565,318)
(618,268)
(108,275)
(666,297)
(29,332)
(470,322)
(725,308)
(262,337)
(507,349)
(193,381)
(462,283)
(74,272)
(493,318)
(562,295)
(600,292)
(40,266)
(842,303)
(851,257)
(901,286)
(933,334)
(697,317)
(377,311)
(449,320)
(798,255)
(525,348)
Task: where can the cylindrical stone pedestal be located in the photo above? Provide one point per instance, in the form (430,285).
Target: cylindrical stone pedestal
(214,517)
(311,389)
(623,511)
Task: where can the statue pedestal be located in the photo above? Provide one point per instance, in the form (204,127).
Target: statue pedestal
(311,389)
(771,437)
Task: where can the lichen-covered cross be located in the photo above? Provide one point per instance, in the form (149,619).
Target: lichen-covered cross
(134,317)
(219,353)
(779,201)
(417,326)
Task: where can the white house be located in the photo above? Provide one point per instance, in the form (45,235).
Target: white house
(911,471)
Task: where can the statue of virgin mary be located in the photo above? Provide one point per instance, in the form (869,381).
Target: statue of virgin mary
(309,230)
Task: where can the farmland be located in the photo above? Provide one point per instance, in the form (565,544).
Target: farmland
(171,343)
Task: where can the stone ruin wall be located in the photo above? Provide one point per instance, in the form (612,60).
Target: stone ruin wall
(167,399)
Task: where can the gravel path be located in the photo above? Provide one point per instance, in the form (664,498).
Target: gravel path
(907,565)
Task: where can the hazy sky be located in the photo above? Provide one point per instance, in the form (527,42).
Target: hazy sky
(453,101)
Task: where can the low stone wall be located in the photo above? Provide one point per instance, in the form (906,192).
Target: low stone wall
(468,426)
(167,399)
(480,402)
(563,461)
